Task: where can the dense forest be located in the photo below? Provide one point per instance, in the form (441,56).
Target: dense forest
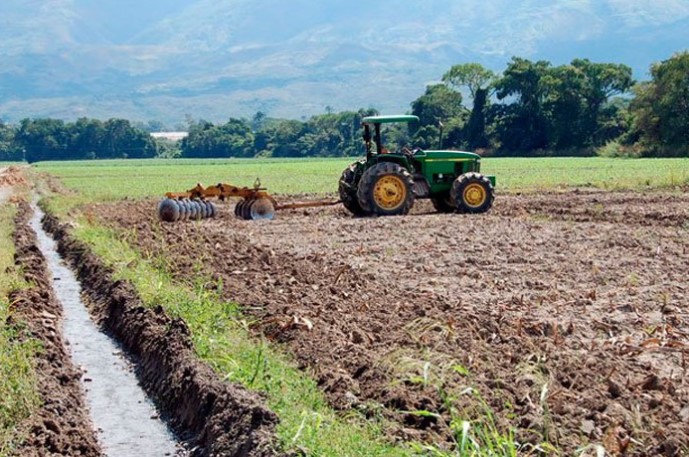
(532,108)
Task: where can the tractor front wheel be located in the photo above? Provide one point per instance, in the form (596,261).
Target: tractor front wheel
(386,189)
(347,189)
(472,193)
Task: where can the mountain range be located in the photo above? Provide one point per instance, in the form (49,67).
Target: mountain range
(167,60)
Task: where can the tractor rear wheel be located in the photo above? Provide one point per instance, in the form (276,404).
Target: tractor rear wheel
(444,204)
(347,189)
(386,189)
(472,193)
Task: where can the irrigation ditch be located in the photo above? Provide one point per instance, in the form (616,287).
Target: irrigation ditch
(207,416)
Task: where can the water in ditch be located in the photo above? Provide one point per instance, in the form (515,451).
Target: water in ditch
(125,419)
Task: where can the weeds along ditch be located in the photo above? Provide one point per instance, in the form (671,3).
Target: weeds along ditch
(56,420)
(219,336)
(18,390)
(216,418)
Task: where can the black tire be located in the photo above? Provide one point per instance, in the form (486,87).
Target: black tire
(472,193)
(386,189)
(347,189)
(444,204)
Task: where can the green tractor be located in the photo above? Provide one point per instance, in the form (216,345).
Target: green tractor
(386,184)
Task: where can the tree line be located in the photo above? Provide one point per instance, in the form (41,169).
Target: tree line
(532,108)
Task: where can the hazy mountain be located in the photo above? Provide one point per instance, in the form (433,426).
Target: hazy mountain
(214,59)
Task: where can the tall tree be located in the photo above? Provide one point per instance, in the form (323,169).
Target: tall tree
(43,139)
(661,106)
(473,76)
(600,82)
(479,81)
(8,148)
(439,103)
(523,123)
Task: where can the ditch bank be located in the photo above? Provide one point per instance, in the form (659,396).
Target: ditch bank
(217,418)
(61,426)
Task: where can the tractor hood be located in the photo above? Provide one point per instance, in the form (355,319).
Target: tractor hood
(447,155)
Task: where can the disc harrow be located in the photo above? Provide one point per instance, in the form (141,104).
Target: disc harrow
(254,204)
(185,209)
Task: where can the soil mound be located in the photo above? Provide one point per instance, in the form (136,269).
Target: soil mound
(12,176)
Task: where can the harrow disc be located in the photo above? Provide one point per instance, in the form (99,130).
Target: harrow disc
(212,210)
(238,208)
(204,209)
(183,210)
(168,210)
(261,209)
(246,210)
(195,210)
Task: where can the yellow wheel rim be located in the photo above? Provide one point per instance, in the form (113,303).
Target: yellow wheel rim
(390,192)
(475,195)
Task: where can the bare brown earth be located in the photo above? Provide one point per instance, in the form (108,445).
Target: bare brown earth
(61,426)
(568,312)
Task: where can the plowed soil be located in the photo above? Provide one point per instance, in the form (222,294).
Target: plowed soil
(567,312)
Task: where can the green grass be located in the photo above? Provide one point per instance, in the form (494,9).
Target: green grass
(529,174)
(18,396)
(116,179)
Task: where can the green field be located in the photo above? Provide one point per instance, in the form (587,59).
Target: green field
(116,179)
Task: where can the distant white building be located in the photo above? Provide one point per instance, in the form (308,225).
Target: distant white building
(172,136)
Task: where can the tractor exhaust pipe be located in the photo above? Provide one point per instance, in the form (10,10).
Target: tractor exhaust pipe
(440,140)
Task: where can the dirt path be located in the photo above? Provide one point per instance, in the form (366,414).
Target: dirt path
(568,312)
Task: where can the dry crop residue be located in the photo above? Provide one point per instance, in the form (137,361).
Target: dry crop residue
(568,312)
